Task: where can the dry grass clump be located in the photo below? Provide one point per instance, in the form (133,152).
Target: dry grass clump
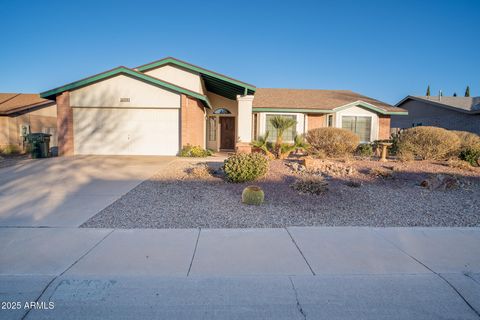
(468,140)
(332,142)
(201,170)
(383,173)
(459,164)
(427,143)
(310,185)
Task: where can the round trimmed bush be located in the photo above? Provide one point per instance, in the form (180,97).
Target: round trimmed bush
(332,142)
(242,167)
(427,143)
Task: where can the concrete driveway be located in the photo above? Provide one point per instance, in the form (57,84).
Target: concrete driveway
(66,191)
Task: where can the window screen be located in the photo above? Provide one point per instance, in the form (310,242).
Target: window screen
(288,135)
(362,126)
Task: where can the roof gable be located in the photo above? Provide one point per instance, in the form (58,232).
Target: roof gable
(214,82)
(126,71)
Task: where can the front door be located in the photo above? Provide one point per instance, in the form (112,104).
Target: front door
(227,132)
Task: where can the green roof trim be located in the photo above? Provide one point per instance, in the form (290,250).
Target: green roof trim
(126,71)
(290,110)
(371,107)
(188,66)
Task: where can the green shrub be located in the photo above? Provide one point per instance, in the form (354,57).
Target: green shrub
(243,167)
(332,142)
(10,149)
(427,143)
(471,156)
(364,150)
(194,151)
(468,140)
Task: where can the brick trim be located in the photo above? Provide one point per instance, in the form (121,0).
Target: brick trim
(65,125)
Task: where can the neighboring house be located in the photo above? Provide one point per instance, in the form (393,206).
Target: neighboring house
(22,113)
(157,108)
(453,113)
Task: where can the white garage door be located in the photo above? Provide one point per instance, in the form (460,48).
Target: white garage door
(121,131)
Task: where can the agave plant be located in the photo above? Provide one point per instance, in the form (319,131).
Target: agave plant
(263,144)
(281,124)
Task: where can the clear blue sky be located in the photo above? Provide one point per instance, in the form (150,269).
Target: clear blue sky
(384,49)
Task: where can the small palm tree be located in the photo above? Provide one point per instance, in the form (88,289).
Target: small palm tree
(263,144)
(281,124)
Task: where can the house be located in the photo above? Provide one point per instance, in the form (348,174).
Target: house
(157,108)
(22,113)
(453,113)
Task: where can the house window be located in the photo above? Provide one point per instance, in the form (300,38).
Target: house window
(222,111)
(362,126)
(212,129)
(330,120)
(288,135)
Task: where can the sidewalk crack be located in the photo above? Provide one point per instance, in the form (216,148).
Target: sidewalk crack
(432,271)
(194,252)
(299,306)
(301,253)
(64,271)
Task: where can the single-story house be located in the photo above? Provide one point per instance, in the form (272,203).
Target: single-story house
(22,113)
(453,113)
(157,108)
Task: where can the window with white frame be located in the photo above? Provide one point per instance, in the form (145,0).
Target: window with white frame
(212,129)
(288,135)
(362,126)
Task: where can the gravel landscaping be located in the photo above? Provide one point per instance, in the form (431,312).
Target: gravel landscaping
(368,193)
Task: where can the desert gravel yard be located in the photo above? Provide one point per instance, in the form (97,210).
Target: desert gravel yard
(371,194)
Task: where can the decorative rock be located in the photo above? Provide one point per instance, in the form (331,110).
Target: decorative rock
(441,182)
(253,195)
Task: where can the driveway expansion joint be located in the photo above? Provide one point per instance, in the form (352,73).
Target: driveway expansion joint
(299,306)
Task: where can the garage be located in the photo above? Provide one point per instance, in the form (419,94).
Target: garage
(126,131)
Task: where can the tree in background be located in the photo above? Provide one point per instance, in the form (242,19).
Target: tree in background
(454,94)
(467,91)
(428,91)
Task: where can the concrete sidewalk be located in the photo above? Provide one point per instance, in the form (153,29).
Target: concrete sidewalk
(297,272)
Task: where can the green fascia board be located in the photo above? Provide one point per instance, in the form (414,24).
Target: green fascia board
(191,67)
(126,71)
(369,106)
(290,110)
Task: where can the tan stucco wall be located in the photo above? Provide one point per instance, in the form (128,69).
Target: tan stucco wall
(39,120)
(108,93)
(315,121)
(178,76)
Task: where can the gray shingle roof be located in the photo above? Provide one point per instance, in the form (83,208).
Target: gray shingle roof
(462,104)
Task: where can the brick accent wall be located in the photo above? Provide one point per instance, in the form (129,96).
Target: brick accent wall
(192,122)
(64,124)
(383,127)
(315,121)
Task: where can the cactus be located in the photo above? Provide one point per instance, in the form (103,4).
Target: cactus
(253,195)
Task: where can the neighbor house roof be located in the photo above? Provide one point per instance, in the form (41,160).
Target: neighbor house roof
(316,101)
(469,105)
(18,102)
(214,82)
(125,71)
